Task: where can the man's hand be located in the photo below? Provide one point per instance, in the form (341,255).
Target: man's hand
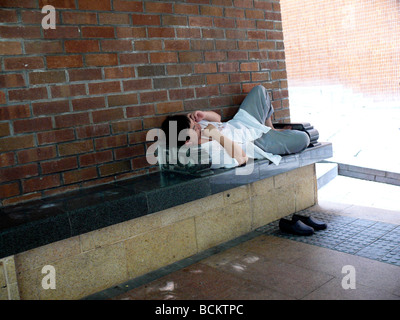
(211,132)
(197,115)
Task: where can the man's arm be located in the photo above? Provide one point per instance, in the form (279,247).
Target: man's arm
(231,147)
(205,115)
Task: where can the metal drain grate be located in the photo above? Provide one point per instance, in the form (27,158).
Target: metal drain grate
(370,239)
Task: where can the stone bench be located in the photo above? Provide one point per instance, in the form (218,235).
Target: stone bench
(102,236)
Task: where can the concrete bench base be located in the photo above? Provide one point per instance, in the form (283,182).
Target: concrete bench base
(100,259)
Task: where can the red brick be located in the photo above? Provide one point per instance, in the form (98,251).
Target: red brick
(148,45)
(95,158)
(37,154)
(211,11)
(205,68)
(133,85)
(239,77)
(259,4)
(247,45)
(159,7)
(99,60)
(213,33)
(146,97)
(7,159)
(186,9)
(70,61)
(129,152)
(104,87)
(4,129)
(122,100)
(224,23)
(237,55)
(11,80)
(177,45)
(19,3)
(127,125)
(161,32)
(79,175)
(207,91)
(88,103)
(2,97)
(75,46)
(181,94)
(28,94)
(10,48)
(278,75)
(46,77)
(50,107)
(9,190)
(217,78)
(8,16)
(62,32)
(167,107)
(113,18)
(179,69)
(119,72)
(93,131)
(47,47)
(190,33)
(59,4)
(108,115)
(228,66)
(71,120)
(111,142)
(98,32)
(133,58)
(130,6)
(190,56)
(84,74)
(66,91)
(200,22)
(249,66)
(138,137)
(59,165)
(55,136)
(32,125)
(230,89)
(174,20)
(276,55)
(221,101)
(147,20)
(35,17)
(234,13)
(79,18)
(19,172)
(23,32)
(116,45)
(114,168)
(225,44)
(24,63)
(139,162)
(101,5)
(245,24)
(140,111)
(163,57)
(77,147)
(129,32)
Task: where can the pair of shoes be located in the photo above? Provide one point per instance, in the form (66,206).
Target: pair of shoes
(300,225)
(310,221)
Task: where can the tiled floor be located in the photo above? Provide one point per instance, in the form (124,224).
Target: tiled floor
(264,264)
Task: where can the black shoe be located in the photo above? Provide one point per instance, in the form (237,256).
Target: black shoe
(295,227)
(313,223)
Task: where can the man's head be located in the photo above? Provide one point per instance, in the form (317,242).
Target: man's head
(174,125)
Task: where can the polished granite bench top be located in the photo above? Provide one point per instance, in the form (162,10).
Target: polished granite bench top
(40,222)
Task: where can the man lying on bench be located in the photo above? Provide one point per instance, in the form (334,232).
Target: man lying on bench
(249,135)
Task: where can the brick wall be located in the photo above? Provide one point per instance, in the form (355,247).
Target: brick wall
(76,102)
(354,43)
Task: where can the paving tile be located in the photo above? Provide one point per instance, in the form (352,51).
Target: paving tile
(333,290)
